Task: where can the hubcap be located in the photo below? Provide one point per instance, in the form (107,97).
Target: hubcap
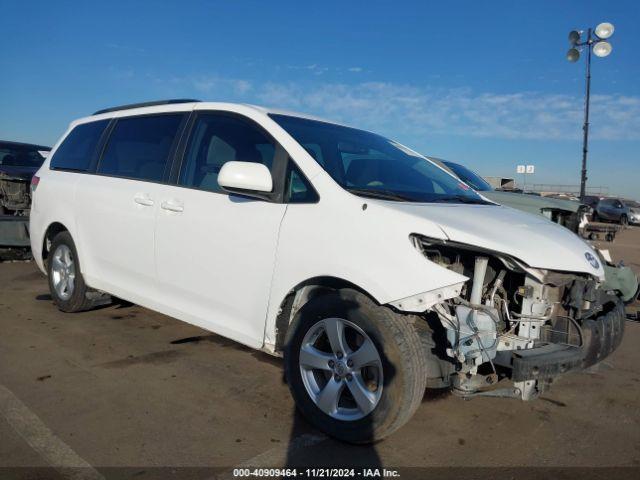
(341,369)
(63,272)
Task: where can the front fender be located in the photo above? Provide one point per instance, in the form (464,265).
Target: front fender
(366,246)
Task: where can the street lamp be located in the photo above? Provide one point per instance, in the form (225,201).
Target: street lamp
(594,39)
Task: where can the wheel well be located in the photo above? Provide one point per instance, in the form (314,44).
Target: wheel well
(300,295)
(54,229)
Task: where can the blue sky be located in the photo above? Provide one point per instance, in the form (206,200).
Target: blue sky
(482,83)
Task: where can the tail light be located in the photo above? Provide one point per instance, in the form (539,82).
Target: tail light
(35,181)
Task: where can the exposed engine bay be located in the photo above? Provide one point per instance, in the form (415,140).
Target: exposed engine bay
(15,195)
(19,162)
(514,322)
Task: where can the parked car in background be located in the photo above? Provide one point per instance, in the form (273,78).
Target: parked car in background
(591,200)
(373,271)
(18,163)
(619,278)
(634,211)
(567,213)
(612,210)
(562,196)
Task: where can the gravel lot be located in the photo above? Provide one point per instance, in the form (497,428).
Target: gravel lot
(125,387)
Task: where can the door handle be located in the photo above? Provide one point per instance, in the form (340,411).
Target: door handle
(143,199)
(172,206)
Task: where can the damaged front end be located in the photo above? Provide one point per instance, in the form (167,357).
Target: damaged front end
(15,202)
(514,322)
(15,195)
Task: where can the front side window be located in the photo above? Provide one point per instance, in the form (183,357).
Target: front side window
(369,165)
(78,148)
(139,147)
(217,139)
(297,187)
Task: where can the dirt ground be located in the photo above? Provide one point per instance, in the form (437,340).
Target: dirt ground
(125,387)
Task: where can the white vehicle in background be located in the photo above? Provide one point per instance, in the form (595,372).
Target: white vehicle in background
(634,211)
(373,271)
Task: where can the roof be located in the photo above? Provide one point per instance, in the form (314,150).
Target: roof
(21,144)
(132,106)
(186,105)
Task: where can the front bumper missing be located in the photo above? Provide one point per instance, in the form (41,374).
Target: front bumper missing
(600,337)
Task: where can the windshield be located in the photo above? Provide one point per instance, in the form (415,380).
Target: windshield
(472,179)
(369,165)
(20,156)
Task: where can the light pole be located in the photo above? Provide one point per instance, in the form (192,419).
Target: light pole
(594,39)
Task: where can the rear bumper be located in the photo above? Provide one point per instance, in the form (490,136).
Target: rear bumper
(14,232)
(600,337)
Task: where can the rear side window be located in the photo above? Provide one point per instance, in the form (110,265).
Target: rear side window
(139,147)
(78,148)
(218,139)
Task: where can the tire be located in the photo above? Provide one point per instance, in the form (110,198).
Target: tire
(396,381)
(624,221)
(67,287)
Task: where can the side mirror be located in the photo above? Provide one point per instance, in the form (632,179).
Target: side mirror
(246,178)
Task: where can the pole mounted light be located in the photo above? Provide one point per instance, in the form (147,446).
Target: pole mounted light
(594,40)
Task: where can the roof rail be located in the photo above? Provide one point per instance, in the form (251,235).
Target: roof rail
(146,104)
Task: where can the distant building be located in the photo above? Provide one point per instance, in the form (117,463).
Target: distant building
(501,182)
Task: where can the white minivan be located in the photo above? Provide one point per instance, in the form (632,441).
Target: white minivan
(374,272)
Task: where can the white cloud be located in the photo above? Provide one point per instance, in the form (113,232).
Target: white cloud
(218,85)
(425,111)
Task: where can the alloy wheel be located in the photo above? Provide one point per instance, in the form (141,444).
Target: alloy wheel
(63,272)
(341,369)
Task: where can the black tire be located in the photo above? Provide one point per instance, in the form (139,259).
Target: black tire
(78,301)
(401,353)
(624,221)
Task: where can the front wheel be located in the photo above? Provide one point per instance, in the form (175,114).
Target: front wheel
(356,370)
(624,221)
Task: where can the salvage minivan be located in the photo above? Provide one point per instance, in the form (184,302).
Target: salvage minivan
(373,271)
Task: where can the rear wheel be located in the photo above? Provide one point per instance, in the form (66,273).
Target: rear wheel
(68,290)
(355,369)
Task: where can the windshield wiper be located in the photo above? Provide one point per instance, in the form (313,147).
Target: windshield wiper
(382,194)
(461,199)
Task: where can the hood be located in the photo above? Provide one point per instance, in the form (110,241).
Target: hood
(18,172)
(530,203)
(530,238)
